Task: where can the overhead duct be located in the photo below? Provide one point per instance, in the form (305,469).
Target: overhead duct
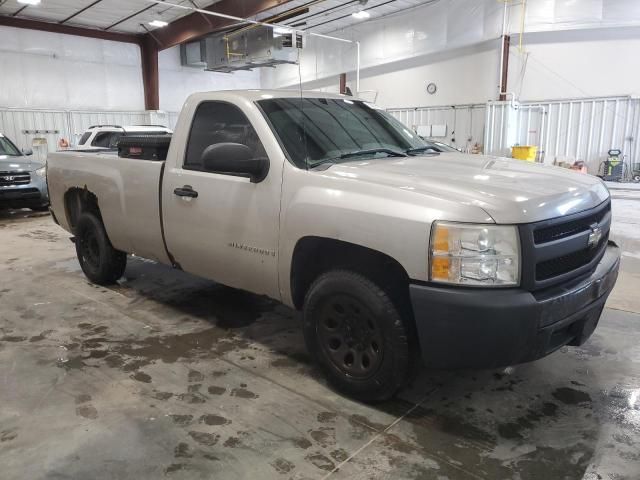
(255,47)
(193,54)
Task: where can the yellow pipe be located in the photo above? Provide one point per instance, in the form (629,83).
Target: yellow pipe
(524,8)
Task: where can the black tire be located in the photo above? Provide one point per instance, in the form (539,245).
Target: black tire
(100,262)
(357,336)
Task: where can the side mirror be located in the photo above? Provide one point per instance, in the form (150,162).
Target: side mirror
(27,152)
(234,159)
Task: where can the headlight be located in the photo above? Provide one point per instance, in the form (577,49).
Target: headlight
(475,255)
(41,172)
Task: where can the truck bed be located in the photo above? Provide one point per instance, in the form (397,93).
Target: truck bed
(129,197)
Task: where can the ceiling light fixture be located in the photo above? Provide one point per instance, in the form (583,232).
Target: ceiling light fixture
(158,23)
(29,2)
(361,15)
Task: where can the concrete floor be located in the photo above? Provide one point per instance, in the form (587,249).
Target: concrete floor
(171,375)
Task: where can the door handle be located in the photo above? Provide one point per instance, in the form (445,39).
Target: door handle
(186,191)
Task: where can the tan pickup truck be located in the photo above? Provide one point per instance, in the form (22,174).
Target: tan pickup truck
(394,251)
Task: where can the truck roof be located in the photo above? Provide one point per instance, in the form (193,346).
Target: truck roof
(259,94)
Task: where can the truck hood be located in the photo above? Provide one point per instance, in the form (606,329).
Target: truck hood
(23,163)
(510,191)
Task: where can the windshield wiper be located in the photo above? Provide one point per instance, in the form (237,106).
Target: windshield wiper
(413,151)
(373,151)
(390,152)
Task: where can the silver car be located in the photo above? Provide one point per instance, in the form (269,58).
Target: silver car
(23,182)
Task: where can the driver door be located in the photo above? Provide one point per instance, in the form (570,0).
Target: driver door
(221,226)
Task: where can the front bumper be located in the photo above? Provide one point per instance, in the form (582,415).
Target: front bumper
(34,194)
(480,328)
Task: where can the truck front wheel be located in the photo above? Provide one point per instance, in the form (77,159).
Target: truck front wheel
(357,336)
(100,262)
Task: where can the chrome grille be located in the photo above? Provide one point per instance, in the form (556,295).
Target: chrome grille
(11,179)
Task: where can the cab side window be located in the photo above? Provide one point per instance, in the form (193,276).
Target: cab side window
(219,122)
(84,138)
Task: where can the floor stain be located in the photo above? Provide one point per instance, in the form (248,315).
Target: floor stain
(162,395)
(324,436)
(182,451)
(42,235)
(181,419)
(191,398)
(339,455)
(13,338)
(8,435)
(282,466)
(243,393)
(175,467)
(361,419)
(214,420)
(232,442)
(214,390)
(195,376)
(141,377)
(302,442)
(41,336)
(326,417)
(87,411)
(204,438)
(321,462)
(571,396)
(82,398)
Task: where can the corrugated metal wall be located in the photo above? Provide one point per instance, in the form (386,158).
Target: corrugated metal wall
(568,130)
(465,123)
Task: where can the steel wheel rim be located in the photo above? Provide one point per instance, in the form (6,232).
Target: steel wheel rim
(350,336)
(90,249)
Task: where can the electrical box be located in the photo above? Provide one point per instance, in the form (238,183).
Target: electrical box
(255,47)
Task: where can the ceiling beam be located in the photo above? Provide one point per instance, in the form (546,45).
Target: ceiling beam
(82,10)
(19,11)
(69,30)
(193,26)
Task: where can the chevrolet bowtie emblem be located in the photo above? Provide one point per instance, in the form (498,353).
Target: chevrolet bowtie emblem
(595,236)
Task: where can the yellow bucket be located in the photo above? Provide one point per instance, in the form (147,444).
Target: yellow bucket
(525,152)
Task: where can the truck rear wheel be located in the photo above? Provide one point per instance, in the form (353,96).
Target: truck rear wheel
(100,262)
(357,336)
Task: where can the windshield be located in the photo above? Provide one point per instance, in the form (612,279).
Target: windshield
(8,148)
(443,147)
(320,130)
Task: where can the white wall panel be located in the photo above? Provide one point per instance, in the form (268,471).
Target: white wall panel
(586,67)
(412,33)
(177,82)
(465,123)
(467,78)
(48,70)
